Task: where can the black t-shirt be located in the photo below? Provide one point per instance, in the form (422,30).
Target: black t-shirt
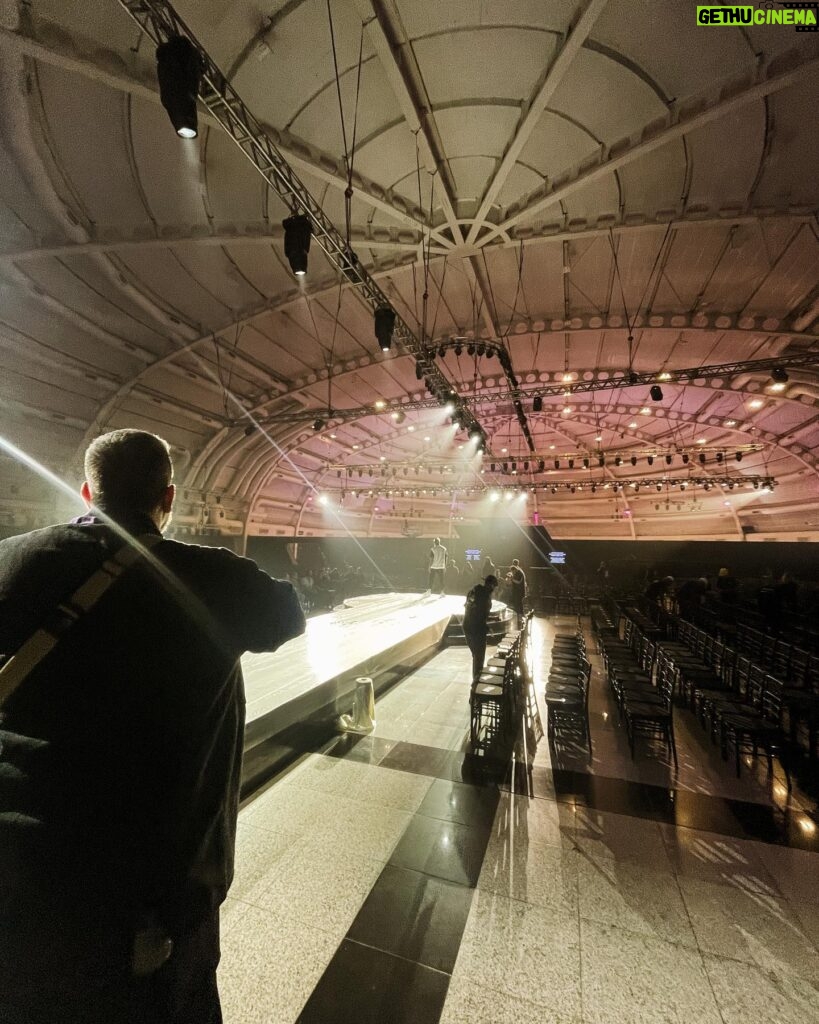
(120,755)
(478,606)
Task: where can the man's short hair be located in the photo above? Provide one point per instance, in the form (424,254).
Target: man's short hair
(128,471)
(436,540)
(491,581)
(515,561)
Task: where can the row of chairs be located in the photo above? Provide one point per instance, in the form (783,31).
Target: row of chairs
(644,701)
(740,701)
(495,699)
(567,689)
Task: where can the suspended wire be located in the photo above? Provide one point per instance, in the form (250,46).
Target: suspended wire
(349,152)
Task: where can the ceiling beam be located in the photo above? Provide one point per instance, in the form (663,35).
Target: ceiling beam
(682,118)
(389,39)
(534,109)
(87,58)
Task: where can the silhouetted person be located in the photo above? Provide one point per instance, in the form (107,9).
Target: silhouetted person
(727,586)
(437,567)
(690,595)
(656,591)
(488,568)
(516,589)
(476,615)
(121,751)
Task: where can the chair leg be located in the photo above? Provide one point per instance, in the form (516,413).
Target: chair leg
(672,744)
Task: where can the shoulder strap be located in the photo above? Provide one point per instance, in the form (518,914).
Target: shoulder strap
(43,640)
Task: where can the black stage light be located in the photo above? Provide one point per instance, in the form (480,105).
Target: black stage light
(702,458)
(557,463)
(618,460)
(738,456)
(441,351)
(481,350)
(720,456)
(525,467)
(419,371)
(779,375)
(685,458)
(571,463)
(656,393)
(249,429)
(179,71)
(634,460)
(670,458)
(585,463)
(594,488)
(541,465)
(470,350)
(458,348)
(491,467)
(318,424)
(601,460)
(490,352)
(514,467)
(297,233)
(506,467)
(537,404)
(384,326)
(650,460)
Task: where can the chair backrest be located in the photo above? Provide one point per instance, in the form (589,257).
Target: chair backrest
(798,670)
(756,686)
(771,703)
(742,671)
(665,686)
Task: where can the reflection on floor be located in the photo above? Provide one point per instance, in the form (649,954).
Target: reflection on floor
(386,879)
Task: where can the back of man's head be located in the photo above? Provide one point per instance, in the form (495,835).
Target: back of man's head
(515,562)
(435,541)
(128,471)
(491,581)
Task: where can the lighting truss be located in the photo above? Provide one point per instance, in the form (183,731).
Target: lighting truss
(160,22)
(808,360)
(401,489)
(531,462)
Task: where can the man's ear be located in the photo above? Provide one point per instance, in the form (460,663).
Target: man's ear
(85,494)
(168,497)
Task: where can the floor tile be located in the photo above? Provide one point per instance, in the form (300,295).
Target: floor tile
(633,897)
(367,749)
(416,757)
(444,849)
(720,859)
(608,839)
(747,993)
(640,980)
(546,822)
(456,801)
(514,948)
(546,876)
(795,871)
(368,986)
(470,1003)
(415,916)
(366,783)
(749,926)
(258,852)
(267,972)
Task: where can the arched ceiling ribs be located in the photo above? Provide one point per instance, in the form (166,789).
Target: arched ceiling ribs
(386,33)
(50,45)
(683,117)
(537,103)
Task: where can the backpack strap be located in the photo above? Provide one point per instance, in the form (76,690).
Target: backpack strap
(44,639)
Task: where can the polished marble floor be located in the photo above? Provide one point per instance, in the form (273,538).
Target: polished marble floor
(389,879)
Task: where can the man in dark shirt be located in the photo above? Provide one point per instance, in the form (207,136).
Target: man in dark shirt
(477,609)
(120,755)
(516,589)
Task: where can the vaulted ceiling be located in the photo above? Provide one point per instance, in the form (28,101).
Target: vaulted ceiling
(549,175)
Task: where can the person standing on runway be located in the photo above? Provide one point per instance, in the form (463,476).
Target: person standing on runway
(516,589)
(121,750)
(476,615)
(437,566)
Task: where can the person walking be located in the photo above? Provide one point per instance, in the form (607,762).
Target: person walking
(121,738)
(476,615)
(437,566)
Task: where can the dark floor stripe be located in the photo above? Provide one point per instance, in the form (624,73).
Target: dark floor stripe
(681,807)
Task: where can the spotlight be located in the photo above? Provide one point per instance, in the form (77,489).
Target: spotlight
(514,467)
(481,350)
(557,463)
(659,487)
(526,467)
(571,463)
(491,467)
(650,460)
(490,352)
(249,430)
(702,458)
(594,488)
(419,371)
(670,458)
(541,465)
(458,349)
(585,463)
(384,326)
(720,456)
(441,351)
(634,460)
(656,393)
(685,458)
(399,416)
(297,233)
(738,456)
(537,404)
(618,461)
(601,460)
(179,71)
(470,350)
(779,375)
(318,424)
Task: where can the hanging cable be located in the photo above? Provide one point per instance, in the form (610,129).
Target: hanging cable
(349,153)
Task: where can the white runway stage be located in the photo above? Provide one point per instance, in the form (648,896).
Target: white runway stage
(315,674)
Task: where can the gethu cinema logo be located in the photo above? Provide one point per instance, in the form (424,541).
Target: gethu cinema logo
(800,17)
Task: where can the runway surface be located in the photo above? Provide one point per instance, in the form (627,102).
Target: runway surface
(357,635)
